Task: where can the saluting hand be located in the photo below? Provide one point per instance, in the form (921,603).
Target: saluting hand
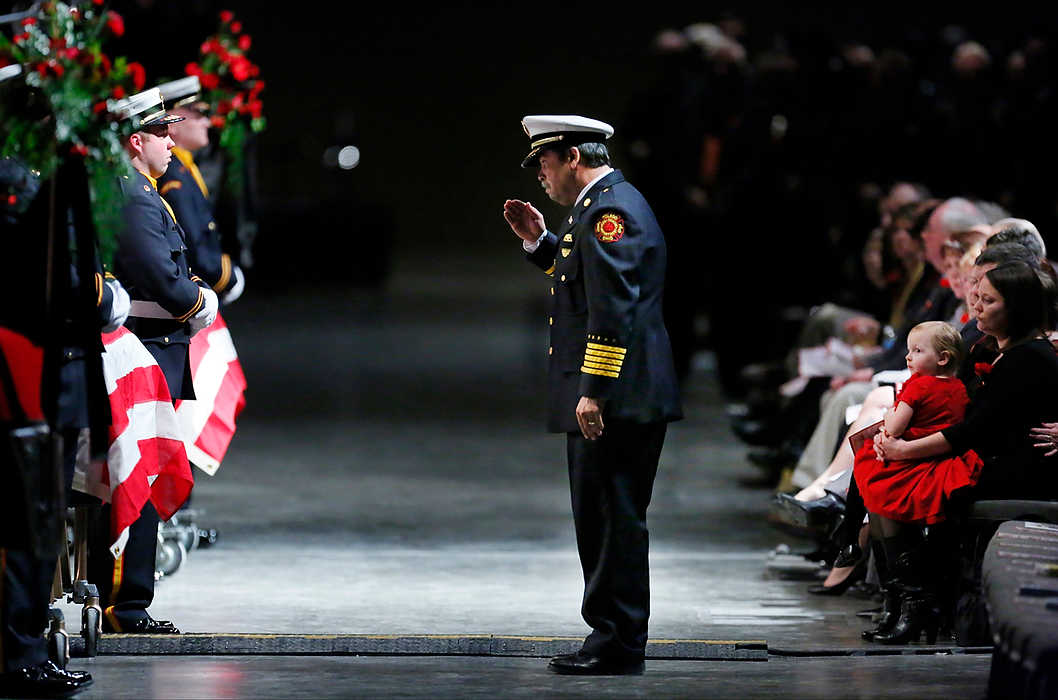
(589,417)
(525,219)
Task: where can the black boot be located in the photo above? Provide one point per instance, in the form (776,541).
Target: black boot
(886,620)
(918,608)
(889,615)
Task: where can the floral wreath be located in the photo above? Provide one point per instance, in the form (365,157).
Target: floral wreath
(59,49)
(232,87)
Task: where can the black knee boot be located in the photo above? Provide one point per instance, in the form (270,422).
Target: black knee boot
(891,603)
(911,576)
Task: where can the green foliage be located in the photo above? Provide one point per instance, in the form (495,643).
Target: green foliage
(58,106)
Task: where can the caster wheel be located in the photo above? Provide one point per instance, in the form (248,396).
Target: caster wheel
(58,640)
(207,538)
(91,625)
(188,537)
(171,554)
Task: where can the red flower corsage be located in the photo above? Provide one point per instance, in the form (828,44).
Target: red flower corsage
(982,368)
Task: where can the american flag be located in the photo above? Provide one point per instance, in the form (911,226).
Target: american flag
(146,458)
(208,422)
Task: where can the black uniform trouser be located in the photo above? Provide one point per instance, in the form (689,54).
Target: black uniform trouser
(25,594)
(611,480)
(126,584)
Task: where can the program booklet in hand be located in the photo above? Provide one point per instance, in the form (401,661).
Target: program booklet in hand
(861,436)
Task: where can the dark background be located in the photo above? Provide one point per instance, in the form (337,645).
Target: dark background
(432,95)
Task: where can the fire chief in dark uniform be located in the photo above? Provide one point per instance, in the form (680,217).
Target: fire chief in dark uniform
(612,387)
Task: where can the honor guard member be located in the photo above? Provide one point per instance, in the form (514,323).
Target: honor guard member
(184,189)
(169,304)
(32,513)
(611,384)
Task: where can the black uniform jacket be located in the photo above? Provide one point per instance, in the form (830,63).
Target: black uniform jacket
(608,339)
(151,262)
(185,190)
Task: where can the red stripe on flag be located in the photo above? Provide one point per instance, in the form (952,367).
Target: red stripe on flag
(138,386)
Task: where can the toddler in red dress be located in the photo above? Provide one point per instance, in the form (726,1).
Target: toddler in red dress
(932,399)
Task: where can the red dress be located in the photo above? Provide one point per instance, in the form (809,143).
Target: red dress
(910,490)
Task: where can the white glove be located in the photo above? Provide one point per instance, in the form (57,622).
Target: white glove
(208,314)
(119,309)
(236,289)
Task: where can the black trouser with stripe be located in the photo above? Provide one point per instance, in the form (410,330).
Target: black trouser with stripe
(25,593)
(126,585)
(611,480)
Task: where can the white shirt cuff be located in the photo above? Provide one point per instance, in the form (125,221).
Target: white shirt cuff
(531,247)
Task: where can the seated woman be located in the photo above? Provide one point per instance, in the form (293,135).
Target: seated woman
(1016,394)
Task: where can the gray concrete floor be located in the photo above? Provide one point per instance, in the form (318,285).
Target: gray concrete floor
(896,678)
(391,475)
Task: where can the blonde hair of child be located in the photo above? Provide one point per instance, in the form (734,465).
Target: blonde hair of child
(944,339)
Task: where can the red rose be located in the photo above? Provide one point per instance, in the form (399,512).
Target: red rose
(205,48)
(115,23)
(254,70)
(226,16)
(79,150)
(29,21)
(217,121)
(42,68)
(255,109)
(56,68)
(99,107)
(209,80)
(118,92)
(19,38)
(193,69)
(982,368)
(240,69)
(139,75)
(236,27)
(57,43)
(11,200)
(72,53)
(105,61)
(223,107)
(98,2)
(258,86)
(237,101)
(244,42)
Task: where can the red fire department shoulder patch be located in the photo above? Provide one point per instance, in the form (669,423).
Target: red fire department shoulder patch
(609,228)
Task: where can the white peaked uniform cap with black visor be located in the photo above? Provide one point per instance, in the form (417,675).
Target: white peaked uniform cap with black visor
(561,131)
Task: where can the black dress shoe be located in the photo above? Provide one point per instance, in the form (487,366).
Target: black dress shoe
(820,512)
(78,676)
(142,625)
(581,664)
(858,573)
(44,681)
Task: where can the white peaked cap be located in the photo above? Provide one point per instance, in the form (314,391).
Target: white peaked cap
(562,130)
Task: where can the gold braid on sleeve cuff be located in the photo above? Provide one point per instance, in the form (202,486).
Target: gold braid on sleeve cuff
(195,308)
(603,360)
(225,273)
(99,289)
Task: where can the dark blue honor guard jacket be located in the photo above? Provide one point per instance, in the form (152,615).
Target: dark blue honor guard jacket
(152,263)
(184,189)
(608,339)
